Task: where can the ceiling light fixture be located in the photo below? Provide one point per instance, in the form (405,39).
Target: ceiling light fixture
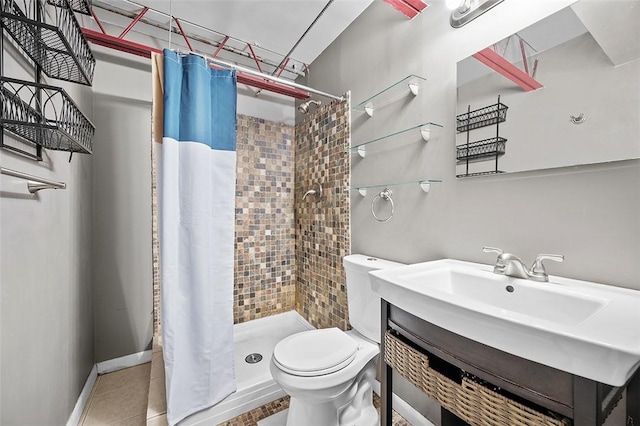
(466,11)
(453,4)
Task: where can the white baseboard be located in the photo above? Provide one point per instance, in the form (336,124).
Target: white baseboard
(76,414)
(124,362)
(102,368)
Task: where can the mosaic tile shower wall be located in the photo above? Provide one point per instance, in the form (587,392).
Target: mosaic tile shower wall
(322,227)
(265,228)
(155,242)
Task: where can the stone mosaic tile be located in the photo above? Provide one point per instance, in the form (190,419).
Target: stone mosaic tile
(155,245)
(265,228)
(396,418)
(265,232)
(288,255)
(322,227)
(252,417)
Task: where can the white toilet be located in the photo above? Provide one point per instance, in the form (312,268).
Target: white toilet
(329,373)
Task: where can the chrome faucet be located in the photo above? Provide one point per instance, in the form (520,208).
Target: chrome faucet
(512,266)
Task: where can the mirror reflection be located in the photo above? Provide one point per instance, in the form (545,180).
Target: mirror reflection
(563,94)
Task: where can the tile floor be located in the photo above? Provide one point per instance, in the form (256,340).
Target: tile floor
(119,398)
(136,396)
(157,407)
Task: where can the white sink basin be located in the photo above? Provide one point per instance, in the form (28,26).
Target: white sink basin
(588,329)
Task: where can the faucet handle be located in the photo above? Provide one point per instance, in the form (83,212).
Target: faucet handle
(316,191)
(538,266)
(487,249)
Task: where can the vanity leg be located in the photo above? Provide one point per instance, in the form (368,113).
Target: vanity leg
(386,383)
(633,400)
(447,418)
(587,400)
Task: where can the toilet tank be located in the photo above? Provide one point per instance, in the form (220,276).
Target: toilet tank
(364,303)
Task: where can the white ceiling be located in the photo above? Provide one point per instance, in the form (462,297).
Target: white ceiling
(275,24)
(269,25)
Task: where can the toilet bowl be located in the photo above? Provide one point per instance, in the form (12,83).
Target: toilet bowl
(329,373)
(337,390)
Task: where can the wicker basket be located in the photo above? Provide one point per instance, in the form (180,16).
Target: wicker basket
(471,401)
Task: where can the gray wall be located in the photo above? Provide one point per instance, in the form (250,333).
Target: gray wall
(122,268)
(46,309)
(588,213)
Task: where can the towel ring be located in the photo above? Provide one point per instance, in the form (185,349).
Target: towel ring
(386,196)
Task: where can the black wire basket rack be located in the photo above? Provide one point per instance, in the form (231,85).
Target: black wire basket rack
(51,37)
(492,114)
(80,6)
(486,148)
(44,115)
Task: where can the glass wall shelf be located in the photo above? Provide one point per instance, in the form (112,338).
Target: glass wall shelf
(425,185)
(398,90)
(425,133)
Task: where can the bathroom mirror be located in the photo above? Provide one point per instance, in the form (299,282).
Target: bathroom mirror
(586,57)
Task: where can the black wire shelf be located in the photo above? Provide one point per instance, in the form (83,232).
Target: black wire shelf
(490,172)
(492,114)
(486,148)
(55,42)
(59,126)
(80,6)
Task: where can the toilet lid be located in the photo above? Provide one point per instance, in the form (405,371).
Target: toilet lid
(315,352)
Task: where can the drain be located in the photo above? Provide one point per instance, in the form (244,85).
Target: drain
(253,358)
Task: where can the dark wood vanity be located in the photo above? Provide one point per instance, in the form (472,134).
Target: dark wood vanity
(563,396)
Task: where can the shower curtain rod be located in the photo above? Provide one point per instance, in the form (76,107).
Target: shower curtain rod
(275,79)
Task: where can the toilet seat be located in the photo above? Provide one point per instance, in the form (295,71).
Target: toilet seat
(315,352)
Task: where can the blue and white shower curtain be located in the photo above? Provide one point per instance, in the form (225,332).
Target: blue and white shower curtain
(197,207)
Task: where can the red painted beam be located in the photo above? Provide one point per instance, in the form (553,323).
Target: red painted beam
(98,21)
(220,46)
(403,8)
(138,49)
(117,43)
(134,22)
(271,86)
(184,35)
(409,8)
(499,64)
(418,5)
(255,58)
(284,66)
